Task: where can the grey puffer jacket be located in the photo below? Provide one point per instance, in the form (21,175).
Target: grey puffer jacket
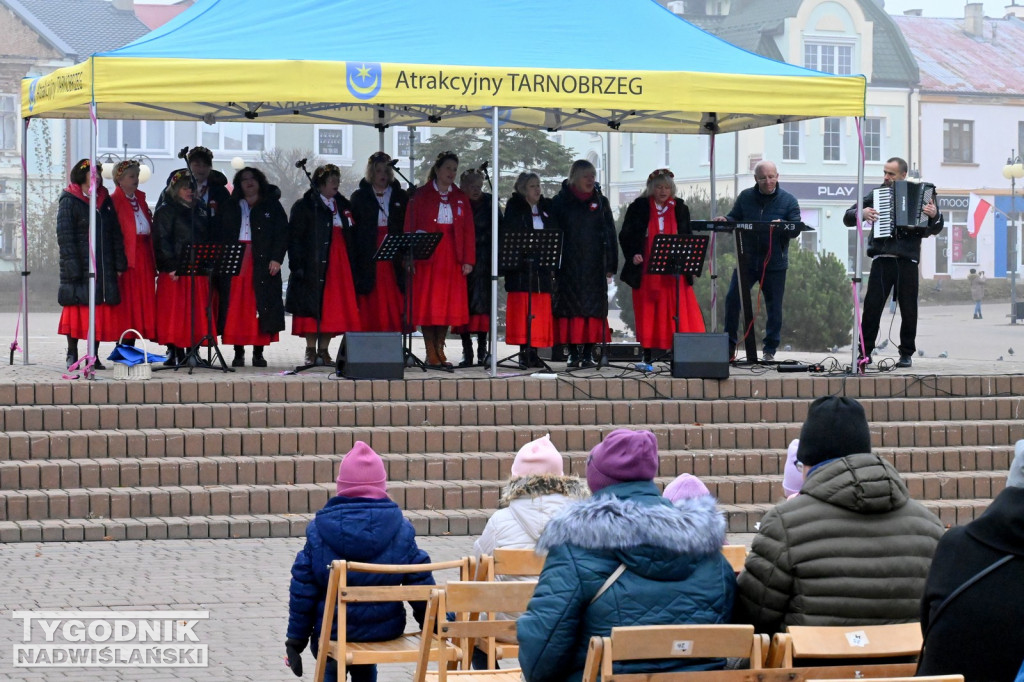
(851,549)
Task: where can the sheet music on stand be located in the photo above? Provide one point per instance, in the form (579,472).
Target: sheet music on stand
(542,247)
(420,244)
(211,259)
(677,254)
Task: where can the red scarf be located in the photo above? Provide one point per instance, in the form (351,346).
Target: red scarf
(670,220)
(101,193)
(126,218)
(582,196)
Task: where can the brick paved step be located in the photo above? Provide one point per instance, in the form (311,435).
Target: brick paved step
(170,389)
(284,469)
(742,518)
(315,414)
(63,444)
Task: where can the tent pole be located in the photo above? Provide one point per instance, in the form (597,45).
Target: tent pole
(93,186)
(859,258)
(24,242)
(714,242)
(494,243)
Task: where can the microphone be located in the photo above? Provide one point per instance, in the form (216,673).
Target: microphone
(483,166)
(183,153)
(301,163)
(393,163)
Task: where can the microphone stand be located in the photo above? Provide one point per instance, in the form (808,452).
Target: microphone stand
(316,250)
(487,176)
(397,170)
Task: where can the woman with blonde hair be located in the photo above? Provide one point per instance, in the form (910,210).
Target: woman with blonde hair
(439,287)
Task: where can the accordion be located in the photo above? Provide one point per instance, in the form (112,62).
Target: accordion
(901,206)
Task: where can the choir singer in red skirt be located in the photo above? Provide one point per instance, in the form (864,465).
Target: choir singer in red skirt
(138,283)
(321,295)
(657,211)
(255,312)
(439,286)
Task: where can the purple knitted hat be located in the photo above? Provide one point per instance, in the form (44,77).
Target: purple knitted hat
(623,455)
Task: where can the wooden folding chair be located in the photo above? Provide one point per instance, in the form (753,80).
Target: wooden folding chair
(649,642)
(736,555)
(405,649)
(850,642)
(514,562)
(481,599)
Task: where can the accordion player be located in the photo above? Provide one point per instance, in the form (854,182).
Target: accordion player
(900,209)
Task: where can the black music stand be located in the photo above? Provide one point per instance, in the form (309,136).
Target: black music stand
(206,260)
(409,247)
(532,249)
(676,255)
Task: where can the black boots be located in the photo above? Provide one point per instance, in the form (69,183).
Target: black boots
(257,357)
(467,351)
(483,355)
(72,356)
(587,356)
(239,359)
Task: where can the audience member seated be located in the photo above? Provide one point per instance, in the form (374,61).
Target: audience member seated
(626,556)
(851,548)
(360,524)
(685,487)
(979,632)
(792,475)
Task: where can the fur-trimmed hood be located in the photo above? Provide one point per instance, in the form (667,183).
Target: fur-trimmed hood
(543,484)
(641,528)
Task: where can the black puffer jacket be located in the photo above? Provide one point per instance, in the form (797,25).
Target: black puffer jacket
(269,226)
(589,254)
(310,230)
(851,548)
(363,243)
(519,218)
(73,243)
(633,237)
(478,281)
(172,230)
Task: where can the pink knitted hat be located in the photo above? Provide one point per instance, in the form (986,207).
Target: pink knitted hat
(538,457)
(361,474)
(792,478)
(685,487)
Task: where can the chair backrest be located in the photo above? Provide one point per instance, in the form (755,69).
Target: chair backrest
(513,562)
(926,678)
(474,603)
(649,642)
(846,642)
(736,555)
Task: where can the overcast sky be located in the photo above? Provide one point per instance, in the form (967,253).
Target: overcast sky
(946,8)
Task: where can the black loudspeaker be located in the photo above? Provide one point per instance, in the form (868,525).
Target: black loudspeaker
(371,355)
(621,351)
(700,356)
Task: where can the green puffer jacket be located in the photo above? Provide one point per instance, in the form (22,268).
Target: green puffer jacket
(675,573)
(851,549)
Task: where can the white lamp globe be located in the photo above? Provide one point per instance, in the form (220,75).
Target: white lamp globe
(144,173)
(238,163)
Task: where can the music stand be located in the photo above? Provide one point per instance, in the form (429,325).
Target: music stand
(206,260)
(534,249)
(410,247)
(676,255)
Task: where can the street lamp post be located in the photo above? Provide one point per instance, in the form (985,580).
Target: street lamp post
(1013,169)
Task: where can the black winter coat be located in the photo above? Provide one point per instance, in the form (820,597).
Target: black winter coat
(73,243)
(980,634)
(519,218)
(363,243)
(633,237)
(310,229)
(172,230)
(589,255)
(269,225)
(478,281)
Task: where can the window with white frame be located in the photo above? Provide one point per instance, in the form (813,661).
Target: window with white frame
(872,139)
(957,141)
(808,239)
(832,139)
(236,138)
(791,141)
(8,123)
(829,57)
(10,221)
(152,137)
(334,143)
(628,151)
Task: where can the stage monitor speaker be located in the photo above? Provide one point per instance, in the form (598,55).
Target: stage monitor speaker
(621,351)
(371,355)
(700,356)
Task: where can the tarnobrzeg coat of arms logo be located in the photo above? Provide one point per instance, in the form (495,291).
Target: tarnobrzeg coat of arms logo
(363,79)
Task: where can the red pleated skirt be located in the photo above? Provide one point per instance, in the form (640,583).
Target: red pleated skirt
(242,326)
(582,330)
(339,313)
(476,324)
(440,287)
(654,305)
(174,302)
(138,291)
(543,333)
(74,322)
(381,309)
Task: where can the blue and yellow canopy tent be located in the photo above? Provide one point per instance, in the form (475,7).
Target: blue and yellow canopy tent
(625,65)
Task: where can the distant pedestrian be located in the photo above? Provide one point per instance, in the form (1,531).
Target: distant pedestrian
(977,282)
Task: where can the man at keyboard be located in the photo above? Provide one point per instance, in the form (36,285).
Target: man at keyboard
(768,252)
(894,266)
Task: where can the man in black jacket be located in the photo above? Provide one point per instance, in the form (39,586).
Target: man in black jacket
(894,265)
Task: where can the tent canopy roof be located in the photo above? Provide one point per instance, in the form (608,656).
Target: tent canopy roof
(569,65)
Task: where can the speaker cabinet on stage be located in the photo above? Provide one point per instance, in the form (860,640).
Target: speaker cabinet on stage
(371,355)
(631,352)
(700,356)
